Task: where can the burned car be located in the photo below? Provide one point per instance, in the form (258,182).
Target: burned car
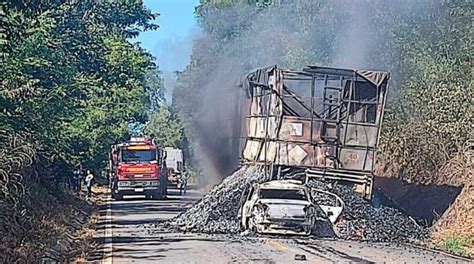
(283,207)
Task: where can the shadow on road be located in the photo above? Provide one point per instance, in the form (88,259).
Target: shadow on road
(130,239)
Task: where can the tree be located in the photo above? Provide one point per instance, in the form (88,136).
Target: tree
(70,85)
(70,66)
(166,128)
(155,87)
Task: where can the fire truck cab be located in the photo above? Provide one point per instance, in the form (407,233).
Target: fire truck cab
(135,169)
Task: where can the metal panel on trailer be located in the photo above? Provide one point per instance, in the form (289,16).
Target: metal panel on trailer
(321,118)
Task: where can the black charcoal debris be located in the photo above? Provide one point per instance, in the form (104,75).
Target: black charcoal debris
(216,213)
(360,220)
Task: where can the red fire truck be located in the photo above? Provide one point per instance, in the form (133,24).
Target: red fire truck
(134,169)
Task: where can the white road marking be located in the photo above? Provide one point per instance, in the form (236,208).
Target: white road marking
(108,247)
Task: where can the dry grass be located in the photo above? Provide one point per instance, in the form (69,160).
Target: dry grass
(89,232)
(457,171)
(35,209)
(85,237)
(456,225)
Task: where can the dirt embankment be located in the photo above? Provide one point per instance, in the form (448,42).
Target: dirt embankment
(446,203)
(59,229)
(454,231)
(76,239)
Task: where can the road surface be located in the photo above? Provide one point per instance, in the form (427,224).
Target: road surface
(127,234)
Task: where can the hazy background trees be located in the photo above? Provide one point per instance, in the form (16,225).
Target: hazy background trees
(165,127)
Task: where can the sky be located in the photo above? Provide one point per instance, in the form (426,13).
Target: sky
(171,44)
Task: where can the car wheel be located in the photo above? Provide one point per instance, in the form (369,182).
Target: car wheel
(251,226)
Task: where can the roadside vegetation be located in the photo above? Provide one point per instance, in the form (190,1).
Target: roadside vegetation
(426,45)
(71,85)
(456,245)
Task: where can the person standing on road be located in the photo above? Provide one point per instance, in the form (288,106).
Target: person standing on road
(184,181)
(89,180)
(164,179)
(76,178)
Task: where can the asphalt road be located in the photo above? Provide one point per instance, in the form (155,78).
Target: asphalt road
(127,234)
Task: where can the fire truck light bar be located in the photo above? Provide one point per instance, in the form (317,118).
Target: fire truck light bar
(139,147)
(139,170)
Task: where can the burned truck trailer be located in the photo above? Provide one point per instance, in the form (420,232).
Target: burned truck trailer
(322,122)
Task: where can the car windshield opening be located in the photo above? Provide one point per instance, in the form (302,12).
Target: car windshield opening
(138,155)
(282,194)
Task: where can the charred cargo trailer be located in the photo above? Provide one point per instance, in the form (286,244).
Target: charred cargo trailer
(325,122)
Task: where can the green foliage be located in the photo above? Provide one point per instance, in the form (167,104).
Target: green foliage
(71,80)
(70,85)
(457,246)
(3,33)
(433,117)
(166,128)
(155,88)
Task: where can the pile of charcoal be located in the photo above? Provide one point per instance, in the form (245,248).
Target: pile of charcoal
(217,211)
(361,220)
